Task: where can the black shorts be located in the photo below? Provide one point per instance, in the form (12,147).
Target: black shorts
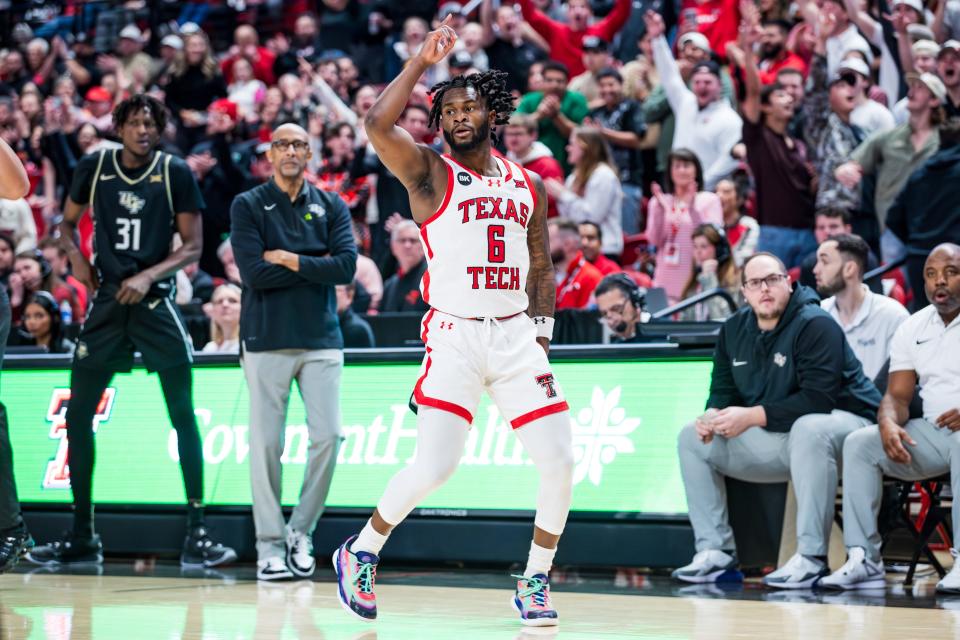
(113,331)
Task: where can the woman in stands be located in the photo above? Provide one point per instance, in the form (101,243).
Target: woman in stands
(31,274)
(713,266)
(592,191)
(42,325)
(673,213)
(224,320)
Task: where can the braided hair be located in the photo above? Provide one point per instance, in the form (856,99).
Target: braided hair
(139,102)
(490,85)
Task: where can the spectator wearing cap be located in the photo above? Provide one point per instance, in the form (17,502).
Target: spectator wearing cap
(460,63)
(784,181)
(924,54)
(623,125)
(774,54)
(97,109)
(926,212)
(830,136)
(596,57)
(556,109)
(520,139)
(195,82)
(133,62)
(471,40)
(170,46)
(458,19)
(869,115)
(507,43)
(305,44)
(566,40)
(706,123)
(889,158)
(246,44)
(892,38)
(948,68)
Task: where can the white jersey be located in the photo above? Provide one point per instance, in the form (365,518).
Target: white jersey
(476,243)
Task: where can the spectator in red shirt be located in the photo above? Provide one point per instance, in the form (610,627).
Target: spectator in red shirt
(576,278)
(591,237)
(246,44)
(520,138)
(566,40)
(774,55)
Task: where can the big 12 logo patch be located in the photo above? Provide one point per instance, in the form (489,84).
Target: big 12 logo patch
(57,475)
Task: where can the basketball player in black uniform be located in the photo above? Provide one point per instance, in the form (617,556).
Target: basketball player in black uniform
(140,197)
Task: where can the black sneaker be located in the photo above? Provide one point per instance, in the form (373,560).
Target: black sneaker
(199,550)
(71,549)
(13,544)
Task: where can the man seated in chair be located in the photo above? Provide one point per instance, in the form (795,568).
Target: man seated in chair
(786,390)
(925,350)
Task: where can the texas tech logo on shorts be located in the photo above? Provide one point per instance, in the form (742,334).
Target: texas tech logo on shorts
(546,381)
(464,178)
(131,202)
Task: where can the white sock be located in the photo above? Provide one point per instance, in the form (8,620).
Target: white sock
(539,561)
(369,540)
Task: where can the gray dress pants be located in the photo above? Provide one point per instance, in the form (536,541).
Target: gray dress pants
(269,376)
(864,462)
(809,454)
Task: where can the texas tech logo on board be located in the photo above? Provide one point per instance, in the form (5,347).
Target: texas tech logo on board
(57,475)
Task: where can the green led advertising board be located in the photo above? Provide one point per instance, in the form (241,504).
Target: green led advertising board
(625,416)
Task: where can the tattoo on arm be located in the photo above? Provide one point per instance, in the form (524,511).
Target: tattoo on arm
(541,290)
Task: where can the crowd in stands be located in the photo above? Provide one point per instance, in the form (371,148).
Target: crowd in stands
(673,144)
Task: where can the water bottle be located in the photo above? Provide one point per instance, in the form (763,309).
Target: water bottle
(66,313)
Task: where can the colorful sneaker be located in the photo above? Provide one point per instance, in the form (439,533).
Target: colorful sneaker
(532,601)
(356,574)
(199,550)
(13,544)
(71,549)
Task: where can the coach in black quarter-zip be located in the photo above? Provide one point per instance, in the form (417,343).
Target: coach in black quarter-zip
(293,243)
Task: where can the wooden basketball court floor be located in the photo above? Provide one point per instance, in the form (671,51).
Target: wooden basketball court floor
(139,600)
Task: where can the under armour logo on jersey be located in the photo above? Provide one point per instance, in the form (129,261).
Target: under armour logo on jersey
(546,381)
(520,184)
(131,201)
(446,325)
(464,178)
(491,181)
(539,320)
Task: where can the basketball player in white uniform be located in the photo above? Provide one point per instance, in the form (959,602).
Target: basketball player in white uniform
(491,290)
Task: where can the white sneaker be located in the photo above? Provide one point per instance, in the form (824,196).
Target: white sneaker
(800,572)
(273,569)
(951,582)
(300,558)
(859,572)
(711,565)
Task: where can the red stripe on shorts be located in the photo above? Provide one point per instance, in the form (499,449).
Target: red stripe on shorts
(526,418)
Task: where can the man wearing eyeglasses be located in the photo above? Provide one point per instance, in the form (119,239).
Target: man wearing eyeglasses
(293,244)
(785,393)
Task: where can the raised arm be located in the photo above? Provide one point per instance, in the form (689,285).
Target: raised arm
(537,19)
(13,177)
(670,77)
(409,161)
(750,107)
(486,23)
(613,23)
(541,288)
